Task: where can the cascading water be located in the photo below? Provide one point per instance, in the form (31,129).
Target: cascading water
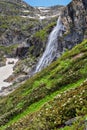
(52,46)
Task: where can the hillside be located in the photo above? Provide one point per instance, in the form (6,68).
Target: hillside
(18,23)
(19,20)
(56,97)
(21,24)
(51,97)
(75,22)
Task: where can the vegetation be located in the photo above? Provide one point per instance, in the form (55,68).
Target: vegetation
(51,97)
(42,34)
(8,49)
(13,26)
(79,124)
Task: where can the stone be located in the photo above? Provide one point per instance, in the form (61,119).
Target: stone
(12,62)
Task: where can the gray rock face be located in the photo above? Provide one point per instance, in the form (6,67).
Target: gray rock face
(85,3)
(16,21)
(74,17)
(21,78)
(21,51)
(19,20)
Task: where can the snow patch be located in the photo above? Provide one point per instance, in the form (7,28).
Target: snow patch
(6,71)
(23,16)
(26,11)
(44,8)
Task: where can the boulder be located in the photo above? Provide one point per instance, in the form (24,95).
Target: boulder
(11,62)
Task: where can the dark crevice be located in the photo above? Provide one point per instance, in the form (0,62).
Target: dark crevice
(85,4)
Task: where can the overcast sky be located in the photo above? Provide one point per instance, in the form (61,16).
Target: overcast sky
(47,2)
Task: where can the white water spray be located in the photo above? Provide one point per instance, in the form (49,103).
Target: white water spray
(52,46)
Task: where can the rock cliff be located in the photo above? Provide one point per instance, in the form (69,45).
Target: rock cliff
(74,17)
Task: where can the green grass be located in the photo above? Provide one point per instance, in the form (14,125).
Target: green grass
(36,106)
(66,73)
(8,49)
(49,109)
(42,34)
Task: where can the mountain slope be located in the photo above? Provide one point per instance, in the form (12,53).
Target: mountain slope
(25,108)
(74,17)
(58,93)
(16,17)
(26,27)
(18,23)
(15,8)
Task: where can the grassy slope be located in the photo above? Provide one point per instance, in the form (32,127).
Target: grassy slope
(29,100)
(43,34)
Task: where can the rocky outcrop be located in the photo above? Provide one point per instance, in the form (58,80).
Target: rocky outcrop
(74,17)
(15,8)
(22,50)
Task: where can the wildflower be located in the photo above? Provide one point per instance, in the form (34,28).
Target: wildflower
(46,109)
(74,96)
(80,99)
(81,102)
(75,101)
(54,122)
(53,110)
(83,91)
(64,105)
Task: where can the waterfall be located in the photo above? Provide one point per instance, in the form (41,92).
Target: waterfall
(51,49)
